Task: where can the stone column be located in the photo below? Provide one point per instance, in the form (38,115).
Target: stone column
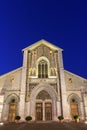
(27,109)
(86,111)
(54,115)
(5,111)
(43,111)
(32,60)
(57,74)
(1,106)
(85,103)
(58,108)
(28,75)
(23,86)
(32,108)
(82,110)
(27,78)
(62,86)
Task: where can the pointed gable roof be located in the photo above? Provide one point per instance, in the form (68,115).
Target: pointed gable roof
(42,42)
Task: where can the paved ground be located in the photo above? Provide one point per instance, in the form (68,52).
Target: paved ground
(44,126)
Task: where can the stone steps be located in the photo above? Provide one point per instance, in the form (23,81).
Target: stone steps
(44,126)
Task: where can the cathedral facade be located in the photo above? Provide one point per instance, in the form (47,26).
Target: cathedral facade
(42,88)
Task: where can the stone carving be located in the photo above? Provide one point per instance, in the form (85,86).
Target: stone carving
(43,95)
(32,86)
(47,80)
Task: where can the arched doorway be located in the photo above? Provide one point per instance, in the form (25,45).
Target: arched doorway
(12,110)
(43,106)
(74,107)
(46,95)
(74,102)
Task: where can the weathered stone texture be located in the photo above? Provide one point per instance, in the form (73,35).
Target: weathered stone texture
(55,93)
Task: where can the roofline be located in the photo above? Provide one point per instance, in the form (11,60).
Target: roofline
(75,74)
(42,40)
(1,76)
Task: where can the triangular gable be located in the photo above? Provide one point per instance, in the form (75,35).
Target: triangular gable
(44,42)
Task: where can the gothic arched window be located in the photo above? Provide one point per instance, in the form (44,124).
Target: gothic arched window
(42,69)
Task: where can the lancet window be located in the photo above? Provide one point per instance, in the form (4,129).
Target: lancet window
(42,69)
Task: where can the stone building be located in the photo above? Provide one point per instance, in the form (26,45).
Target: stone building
(42,88)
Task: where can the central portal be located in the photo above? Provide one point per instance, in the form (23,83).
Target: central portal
(44,111)
(43,106)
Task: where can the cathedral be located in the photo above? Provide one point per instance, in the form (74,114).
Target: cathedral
(42,88)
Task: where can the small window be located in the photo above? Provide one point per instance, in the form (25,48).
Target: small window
(73,100)
(70,80)
(13,101)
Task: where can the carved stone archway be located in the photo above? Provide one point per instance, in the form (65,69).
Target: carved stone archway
(50,98)
(10,109)
(74,104)
(43,106)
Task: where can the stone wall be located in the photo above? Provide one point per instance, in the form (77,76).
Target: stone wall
(9,85)
(74,87)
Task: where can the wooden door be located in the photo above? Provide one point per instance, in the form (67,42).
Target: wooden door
(39,111)
(74,109)
(48,111)
(12,112)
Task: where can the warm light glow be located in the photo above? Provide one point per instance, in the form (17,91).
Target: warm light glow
(34,52)
(1,123)
(50,52)
(11,79)
(70,80)
(85,122)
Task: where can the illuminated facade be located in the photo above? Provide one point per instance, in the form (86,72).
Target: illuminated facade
(42,88)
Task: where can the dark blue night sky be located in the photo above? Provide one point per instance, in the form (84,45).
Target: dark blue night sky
(62,22)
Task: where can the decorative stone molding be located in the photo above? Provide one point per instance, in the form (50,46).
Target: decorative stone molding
(73,96)
(46,80)
(12,96)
